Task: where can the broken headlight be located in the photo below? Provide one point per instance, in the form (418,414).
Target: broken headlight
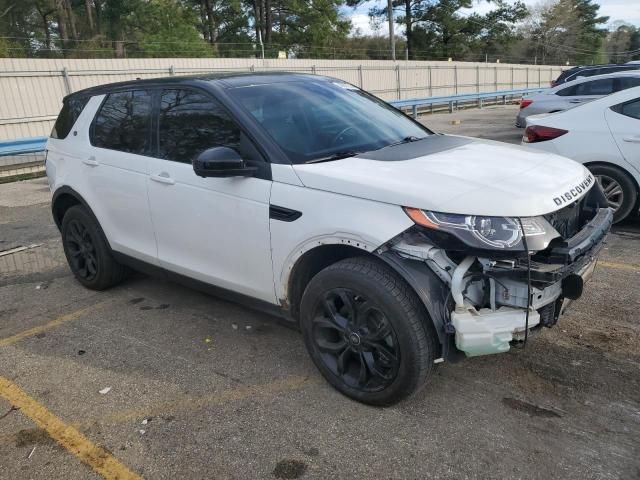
(495,233)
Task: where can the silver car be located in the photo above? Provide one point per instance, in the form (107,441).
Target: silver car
(574,93)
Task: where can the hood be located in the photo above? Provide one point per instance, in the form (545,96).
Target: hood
(455,175)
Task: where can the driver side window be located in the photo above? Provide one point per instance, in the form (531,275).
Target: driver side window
(191,122)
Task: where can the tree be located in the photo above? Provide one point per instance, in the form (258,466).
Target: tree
(623,42)
(571,30)
(437,29)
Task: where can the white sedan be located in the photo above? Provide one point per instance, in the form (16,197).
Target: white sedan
(604,135)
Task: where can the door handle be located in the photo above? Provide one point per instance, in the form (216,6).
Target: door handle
(163,177)
(91,161)
(576,101)
(635,139)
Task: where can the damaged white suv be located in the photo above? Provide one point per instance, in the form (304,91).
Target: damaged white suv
(394,248)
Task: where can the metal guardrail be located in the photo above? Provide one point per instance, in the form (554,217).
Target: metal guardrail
(453,100)
(22,146)
(37,144)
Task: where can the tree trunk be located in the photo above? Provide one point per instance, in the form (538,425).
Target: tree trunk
(88,5)
(72,19)
(409,24)
(268,21)
(203,21)
(47,33)
(96,7)
(211,25)
(62,26)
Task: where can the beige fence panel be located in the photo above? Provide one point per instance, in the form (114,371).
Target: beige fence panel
(31,90)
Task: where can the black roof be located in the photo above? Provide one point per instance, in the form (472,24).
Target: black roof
(223,79)
(602,65)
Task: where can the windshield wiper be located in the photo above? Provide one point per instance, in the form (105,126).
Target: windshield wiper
(408,139)
(335,156)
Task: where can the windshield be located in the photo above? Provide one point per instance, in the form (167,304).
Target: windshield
(323,120)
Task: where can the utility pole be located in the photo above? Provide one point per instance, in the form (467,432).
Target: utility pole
(392,36)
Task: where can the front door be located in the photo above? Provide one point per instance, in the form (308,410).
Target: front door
(212,229)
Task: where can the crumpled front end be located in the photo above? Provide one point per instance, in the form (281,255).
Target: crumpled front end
(494,297)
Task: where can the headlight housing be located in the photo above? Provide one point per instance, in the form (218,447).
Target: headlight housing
(488,233)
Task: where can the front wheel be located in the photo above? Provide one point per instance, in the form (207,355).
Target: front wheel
(366,331)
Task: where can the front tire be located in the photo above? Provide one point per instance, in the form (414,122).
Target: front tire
(87,252)
(367,332)
(618,188)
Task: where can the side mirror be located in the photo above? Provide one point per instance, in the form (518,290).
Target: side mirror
(221,162)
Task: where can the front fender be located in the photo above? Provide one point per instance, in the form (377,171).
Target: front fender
(433,294)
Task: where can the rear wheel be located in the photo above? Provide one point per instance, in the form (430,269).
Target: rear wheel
(618,188)
(87,252)
(367,332)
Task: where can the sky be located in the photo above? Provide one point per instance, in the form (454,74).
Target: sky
(627,10)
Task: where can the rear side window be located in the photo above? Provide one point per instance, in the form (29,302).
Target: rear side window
(597,87)
(123,122)
(630,109)
(623,83)
(71,109)
(190,122)
(567,92)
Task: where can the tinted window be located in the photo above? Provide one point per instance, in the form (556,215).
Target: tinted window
(623,83)
(597,87)
(123,122)
(565,73)
(191,122)
(71,109)
(567,92)
(630,109)
(314,120)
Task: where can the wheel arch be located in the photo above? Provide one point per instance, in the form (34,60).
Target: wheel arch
(309,264)
(634,177)
(430,290)
(66,197)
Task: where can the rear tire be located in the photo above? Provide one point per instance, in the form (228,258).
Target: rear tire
(87,251)
(367,332)
(618,187)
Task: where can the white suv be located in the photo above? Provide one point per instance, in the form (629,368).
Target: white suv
(392,247)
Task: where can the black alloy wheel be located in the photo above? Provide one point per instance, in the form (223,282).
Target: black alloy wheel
(88,253)
(367,332)
(355,340)
(82,251)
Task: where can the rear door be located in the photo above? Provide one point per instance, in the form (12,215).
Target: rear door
(114,163)
(624,123)
(212,229)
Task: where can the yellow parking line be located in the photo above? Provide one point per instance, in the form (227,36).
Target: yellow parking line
(50,325)
(75,442)
(619,266)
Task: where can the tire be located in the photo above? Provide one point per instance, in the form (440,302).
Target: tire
(87,251)
(390,336)
(622,195)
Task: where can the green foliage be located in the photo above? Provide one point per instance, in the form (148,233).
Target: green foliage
(163,28)
(571,31)
(623,43)
(4,48)
(557,31)
(437,29)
